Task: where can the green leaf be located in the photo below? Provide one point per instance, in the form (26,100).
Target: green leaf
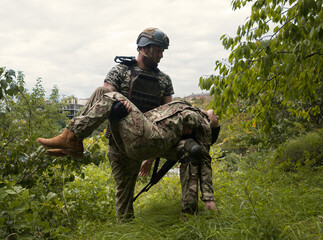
(3,194)
(51,196)
(11,192)
(29,218)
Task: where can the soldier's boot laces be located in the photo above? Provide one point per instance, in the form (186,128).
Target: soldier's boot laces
(64,144)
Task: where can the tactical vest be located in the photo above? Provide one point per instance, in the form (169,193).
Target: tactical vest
(144,89)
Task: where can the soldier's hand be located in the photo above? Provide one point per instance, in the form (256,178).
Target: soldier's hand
(145,167)
(126,104)
(118,111)
(210,205)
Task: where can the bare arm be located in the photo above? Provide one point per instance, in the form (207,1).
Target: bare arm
(167,99)
(109,86)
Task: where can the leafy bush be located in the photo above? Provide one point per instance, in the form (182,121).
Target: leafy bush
(8,85)
(26,214)
(91,197)
(274,63)
(304,150)
(33,185)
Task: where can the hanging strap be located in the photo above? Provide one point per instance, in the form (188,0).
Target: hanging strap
(155,167)
(157,175)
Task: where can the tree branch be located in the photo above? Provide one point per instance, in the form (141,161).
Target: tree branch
(13,138)
(312,54)
(267,81)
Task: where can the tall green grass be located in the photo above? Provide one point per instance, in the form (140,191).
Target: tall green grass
(259,201)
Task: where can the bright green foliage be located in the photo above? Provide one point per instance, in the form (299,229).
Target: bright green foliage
(261,202)
(275,63)
(8,85)
(91,198)
(27,202)
(24,118)
(34,188)
(26,216)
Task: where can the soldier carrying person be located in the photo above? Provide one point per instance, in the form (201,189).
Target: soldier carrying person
(147,87)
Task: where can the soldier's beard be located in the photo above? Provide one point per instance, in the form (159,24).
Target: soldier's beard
(149,62)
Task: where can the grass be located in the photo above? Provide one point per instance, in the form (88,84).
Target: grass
(256,202)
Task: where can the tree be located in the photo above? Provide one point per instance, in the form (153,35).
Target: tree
(275,63)
(70,99)
(26,116)
(32,184)
(8,85)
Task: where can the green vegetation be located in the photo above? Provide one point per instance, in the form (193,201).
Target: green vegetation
(264,189)
(275,64)
(267,162)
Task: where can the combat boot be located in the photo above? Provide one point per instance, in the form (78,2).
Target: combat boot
(190,152)
(67,141)
(193,148)
(60,152)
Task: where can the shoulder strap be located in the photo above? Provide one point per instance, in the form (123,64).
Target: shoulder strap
(129,61)
(157,175)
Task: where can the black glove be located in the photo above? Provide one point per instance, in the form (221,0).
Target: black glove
(215,134)
(118,111)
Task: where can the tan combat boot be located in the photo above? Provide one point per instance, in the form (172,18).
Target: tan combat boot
(67,141)
(59,152)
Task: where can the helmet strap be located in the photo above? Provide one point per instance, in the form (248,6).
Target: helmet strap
(143,53)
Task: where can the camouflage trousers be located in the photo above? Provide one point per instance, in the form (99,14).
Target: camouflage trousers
(193,175)
(139,136)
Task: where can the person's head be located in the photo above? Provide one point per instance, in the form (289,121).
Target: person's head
(213,118)
(151,44)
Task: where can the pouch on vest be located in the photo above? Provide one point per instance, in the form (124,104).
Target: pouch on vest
(145,92)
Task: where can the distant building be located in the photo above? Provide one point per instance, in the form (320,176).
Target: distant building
(73,105)
(82,101)
(197,96)
(71,109)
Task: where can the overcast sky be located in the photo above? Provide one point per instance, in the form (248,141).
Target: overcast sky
(72,43)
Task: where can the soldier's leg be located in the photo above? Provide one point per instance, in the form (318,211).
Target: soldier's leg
(125,172)
(205,176)
(189,183)
(193,174)
(96,95)
(196,171)
(96,114)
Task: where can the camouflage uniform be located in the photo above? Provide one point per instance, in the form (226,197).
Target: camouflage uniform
(124,171)
(159,130)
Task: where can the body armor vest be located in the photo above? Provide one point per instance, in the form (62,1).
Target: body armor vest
(144,92)
(144,89)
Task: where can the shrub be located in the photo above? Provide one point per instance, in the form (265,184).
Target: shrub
(304,150)
(92,197)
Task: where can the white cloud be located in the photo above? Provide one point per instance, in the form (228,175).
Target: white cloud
(72,43)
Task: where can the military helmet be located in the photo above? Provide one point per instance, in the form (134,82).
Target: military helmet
(153,36)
